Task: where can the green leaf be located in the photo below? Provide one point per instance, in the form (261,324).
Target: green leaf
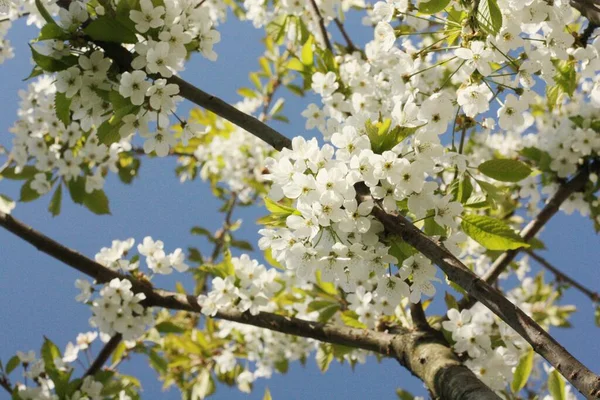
(433,6)
(27,193)
(489,16)
(117,355)
(44,13)
(157,362)
(77,189)
(242,244)
(49,352)
(462,189)
(491,233)
(50,64)
(108,29)
(56,200)
(53,31)
(505,170)
(350,318)
(97,202)
(307,54)
(121,107)
(36,71)
(108,133)
(272,261)
(247,92)
(556,386)
(204,385)
(522,372)
(62,106)
(13,363)
(267,395)
(27,172)
(169,327)
(325,314)
(324,356)
(383,138)
(404,395)
(197,230)
(450,301)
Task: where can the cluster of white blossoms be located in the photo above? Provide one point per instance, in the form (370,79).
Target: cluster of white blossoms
(326,230)
(55,150)
(97,96)
(157,260)
(262,348)
(250,288)
(117,309)
(38,371)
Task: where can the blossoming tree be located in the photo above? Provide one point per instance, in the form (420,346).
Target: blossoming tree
(445,145)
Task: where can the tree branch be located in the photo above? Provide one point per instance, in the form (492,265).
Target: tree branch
(321,23)
(424,353)
(418,316)
(350,45)
(5,383)
(561,276)
(578,374)
(552,206)
(104,354)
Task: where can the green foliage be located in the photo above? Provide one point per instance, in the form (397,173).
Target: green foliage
(489,17)
(505,170)
(108,132)
(50,64)
(404,395)
(383,138)
(324,356)
(53,31)
(27,172)
(433,6)
(55,202)
(566,82)
(556,386)
(62,107)
(108,29)
(522,372)
(97,202)
(491,233)
(13,363)
(44,13)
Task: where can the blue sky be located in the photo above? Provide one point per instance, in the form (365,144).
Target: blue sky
(37,292)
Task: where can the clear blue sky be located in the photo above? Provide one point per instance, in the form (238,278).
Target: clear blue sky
(37,292)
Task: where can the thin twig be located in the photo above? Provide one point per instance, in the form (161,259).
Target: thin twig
(221,234)
(350,45)
(104,354)
(321,25)
(561,276)
(5,383)
(418,316)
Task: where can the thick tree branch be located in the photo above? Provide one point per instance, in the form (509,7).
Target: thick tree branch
(562,277)
(424,353)
(104,354)
(418,316)
(535,225)
(578,374)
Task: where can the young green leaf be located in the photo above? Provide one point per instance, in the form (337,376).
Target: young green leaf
(56,201)
(522,372)
(108,29)
(505,170)
(556,386)
(97,202)
(433,6)
(62,107)
(491,233)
